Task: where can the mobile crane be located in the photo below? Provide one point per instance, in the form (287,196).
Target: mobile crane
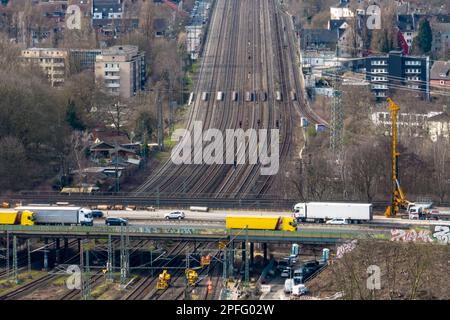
(398,200)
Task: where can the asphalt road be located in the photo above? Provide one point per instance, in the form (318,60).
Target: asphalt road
(217,218)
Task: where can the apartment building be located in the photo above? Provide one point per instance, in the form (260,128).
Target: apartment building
(52,61)
(121,69)
(83,59)
(398,72)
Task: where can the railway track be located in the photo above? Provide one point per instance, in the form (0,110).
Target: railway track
(146,284)
(175,201)
(236,60)
(35,284)
(99,277)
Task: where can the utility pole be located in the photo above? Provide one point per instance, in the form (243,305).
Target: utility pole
(109,264)
(116,148)
(225,274)
(15,267)
(337,115)
(29,258)
(247,258)
(87,290)
(160,121)
(7,253)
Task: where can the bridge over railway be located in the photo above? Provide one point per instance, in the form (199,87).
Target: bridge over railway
(310,235)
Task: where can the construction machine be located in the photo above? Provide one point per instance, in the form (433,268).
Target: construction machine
(398,200)
(163,280)
(192,277)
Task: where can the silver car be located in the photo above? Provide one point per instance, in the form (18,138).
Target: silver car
(178,215)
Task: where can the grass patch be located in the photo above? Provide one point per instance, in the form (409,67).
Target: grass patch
(9,284)
(101,289)
(60,281)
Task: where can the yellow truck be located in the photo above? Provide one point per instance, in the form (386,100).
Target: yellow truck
(261,223)
(14,217)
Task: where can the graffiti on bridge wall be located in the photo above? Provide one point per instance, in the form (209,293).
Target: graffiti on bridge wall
(441,234)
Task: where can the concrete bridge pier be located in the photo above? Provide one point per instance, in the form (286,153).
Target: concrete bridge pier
(57,251)
(265,252)
(46,254)
(66,247)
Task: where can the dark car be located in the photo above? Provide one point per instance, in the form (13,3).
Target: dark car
(116,221)
(97,214)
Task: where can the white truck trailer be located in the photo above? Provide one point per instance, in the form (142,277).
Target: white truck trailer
(48,215)
(323,211)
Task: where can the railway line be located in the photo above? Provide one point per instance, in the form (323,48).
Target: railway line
(145,286)
(36,284)
(244,53)
(99,277)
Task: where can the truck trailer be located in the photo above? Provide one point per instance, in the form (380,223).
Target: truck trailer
(261,223)
(14,217)
(48,215)
(323,211)
(437,213)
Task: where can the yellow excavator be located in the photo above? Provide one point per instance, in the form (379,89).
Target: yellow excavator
(398,200)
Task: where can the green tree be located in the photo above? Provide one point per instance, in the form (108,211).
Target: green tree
(13,164)
(72,117)
(424,37)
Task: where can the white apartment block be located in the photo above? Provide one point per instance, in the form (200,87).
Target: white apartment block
(121,69)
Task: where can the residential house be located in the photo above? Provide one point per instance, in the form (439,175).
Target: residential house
(106,154)
(318,39)
(440,27)
(341,11)
(107,9)
(160,27)
(440,75)
(407,25)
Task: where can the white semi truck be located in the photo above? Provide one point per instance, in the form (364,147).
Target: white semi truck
(48,215)
(323,211)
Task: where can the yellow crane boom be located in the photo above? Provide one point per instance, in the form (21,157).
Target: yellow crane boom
(398,197)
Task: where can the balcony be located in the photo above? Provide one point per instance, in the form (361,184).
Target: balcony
(112,85)
(112,77)
(413,71)
(379,87)
(112,69)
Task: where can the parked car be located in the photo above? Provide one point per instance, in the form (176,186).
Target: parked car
(97,214)
(175,215)
(116,221)
(299,290)
(339,221)
(285,262)
(286,273)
